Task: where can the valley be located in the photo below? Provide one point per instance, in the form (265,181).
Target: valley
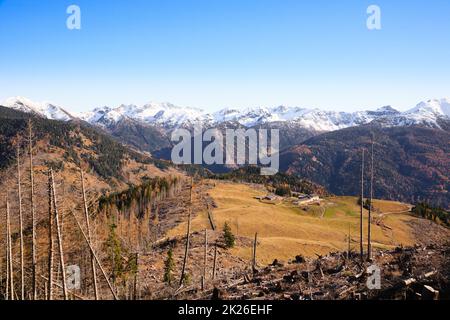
(157,230)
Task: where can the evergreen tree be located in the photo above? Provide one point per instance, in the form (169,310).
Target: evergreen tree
(168,267)
(187,279)
(283,190)
(115,251)
(228,236)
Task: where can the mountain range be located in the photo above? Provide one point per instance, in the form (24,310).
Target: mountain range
(168,116)
(411,147)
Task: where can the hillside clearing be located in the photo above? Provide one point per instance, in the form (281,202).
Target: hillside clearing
(285,230)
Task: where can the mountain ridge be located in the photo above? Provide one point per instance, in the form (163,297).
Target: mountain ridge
(169,116)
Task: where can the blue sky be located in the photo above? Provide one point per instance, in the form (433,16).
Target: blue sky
(226,53)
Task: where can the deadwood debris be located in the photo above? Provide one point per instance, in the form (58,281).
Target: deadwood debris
(413,273)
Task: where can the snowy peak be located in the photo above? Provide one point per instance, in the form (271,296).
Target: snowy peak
(102,116)
(43,109)
(439,107)
(426,113)
(386,111)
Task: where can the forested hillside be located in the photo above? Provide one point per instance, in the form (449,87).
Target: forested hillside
(410,163)
(280,182)
(80,142)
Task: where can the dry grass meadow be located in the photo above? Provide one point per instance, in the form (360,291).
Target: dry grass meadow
(286,230)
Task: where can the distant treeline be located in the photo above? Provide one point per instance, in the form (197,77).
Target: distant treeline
(283,184)
(140,199)
(435,214)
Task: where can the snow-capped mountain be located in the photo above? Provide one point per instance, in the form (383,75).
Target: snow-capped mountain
(430,110)
(164,114)
(170,116)
(43,109)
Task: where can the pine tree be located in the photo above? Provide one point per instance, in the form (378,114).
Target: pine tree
(187,279)
(228,236)
(115,249)
(169,265)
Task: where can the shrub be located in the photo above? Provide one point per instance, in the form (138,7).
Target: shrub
(228,236)
(283,191)
(168,267)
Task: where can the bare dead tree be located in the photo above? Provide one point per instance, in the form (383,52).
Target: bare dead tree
(56,284)
(49,286)
(10,256)
(214,262)
(186,249)
(205,259)
(211,219)
(59,237)
(188,235)
(369,244)
(6,259)
(136,274)
(86,215)
(190,191)
(349,241)
(254,253)
(95,256)
(19,194)
(362,210)
(33,213)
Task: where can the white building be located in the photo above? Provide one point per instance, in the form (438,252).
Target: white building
(307,199)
